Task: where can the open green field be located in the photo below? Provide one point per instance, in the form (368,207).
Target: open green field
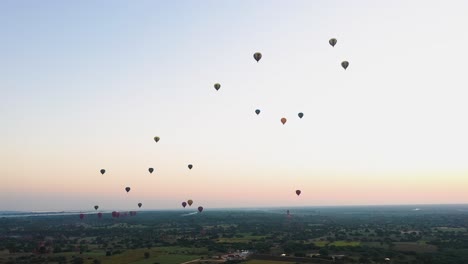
(450,229)
(166,255)
(342,243)
(414,246)
(246,238)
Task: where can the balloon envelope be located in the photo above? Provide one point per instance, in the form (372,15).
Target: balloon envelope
(345,64)
(127,189)
(184,204)
(190,166)
(200,209)
(283,120)
(217,86)
(150,170)
(257,111)
(156,139)
(96,207)
(257,56)
(139,205)
(190,202)
(103,171)
(298,192)
(300,115)
(333,42)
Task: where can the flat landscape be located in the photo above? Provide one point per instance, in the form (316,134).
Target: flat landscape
(396,234)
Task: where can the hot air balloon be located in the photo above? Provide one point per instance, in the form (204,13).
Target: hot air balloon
(190,202)
(332,42)
(190,166)
(257,111)
(217,86)
(156,139)
(82,216)
(298,192)
(99,215)
(103,171)
(300,115)
(257,56)
(345,64)
(184,204)
(96,207)
(127,189)
(150,170)
(200,209)
(283,120)
(139,205)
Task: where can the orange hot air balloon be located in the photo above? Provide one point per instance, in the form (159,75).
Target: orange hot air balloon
(298,192)
(283,120)
(190,202)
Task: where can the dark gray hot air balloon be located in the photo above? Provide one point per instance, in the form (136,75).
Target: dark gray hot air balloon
(332,42)
(217,86)
(156,139)
(257,111)
(139,205)
(103,171)
(190,166)
(300,115)
(127,189)
(96,207)
(345,64)
(257,56)
(150,170)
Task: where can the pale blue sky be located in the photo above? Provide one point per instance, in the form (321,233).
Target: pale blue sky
(87,85)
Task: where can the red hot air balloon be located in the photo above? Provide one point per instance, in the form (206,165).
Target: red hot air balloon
(298,192)
(200,209)
(82,216)
(99,215)
(283,120)
(184,204)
